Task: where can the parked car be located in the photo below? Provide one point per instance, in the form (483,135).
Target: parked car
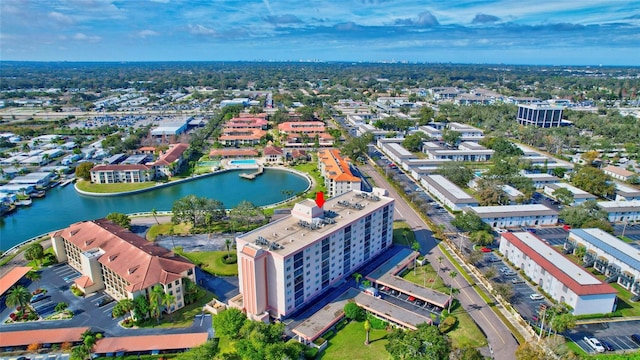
(411,298)
(104,301)
(485,249)
(636,338)
(517,280)
(594,343)
(536,297)
(510,273)
(607,346)
(37,297)
(504,269)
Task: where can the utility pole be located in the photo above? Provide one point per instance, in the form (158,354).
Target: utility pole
(544,314)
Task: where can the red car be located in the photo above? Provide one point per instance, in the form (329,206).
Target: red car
(411,298)
(485,249)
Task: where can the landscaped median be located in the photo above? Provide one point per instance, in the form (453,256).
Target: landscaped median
(213,262)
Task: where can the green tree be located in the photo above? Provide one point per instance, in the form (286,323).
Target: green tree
(563,195)
(502,147)
(122,307)
(229,322)
(354,312)
(490,193)
(357,147)
(34,252)
(413,142)
(469,222)
(140,308)
(594,181)
(458,173)
(357,277)
(155,300)
(481,237)
(197,210)
(427,343)
(34,276)
(154,212)
(207,350)
(466,353)
(83,170)
(246,213)
(120,219)
(451,137)
(530,351)
(18,296)
(453,275)
(562,322)
(61,306)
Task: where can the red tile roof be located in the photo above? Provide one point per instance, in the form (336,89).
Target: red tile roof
(41,336)
(302,126)
(149,343)
(13,276)
(335,167)
(272,150)
(233,152)
(555,271)
(174,153)
(140,262)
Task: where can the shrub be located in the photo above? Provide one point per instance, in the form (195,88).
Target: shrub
(66,346)
(310,353)
(34,347)
(230,259)
(354,312)
(328,335)
(377,323)
(447,324)
(319,341)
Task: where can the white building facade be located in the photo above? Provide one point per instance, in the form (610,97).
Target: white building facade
(562,279)
(508,216)
(447,192)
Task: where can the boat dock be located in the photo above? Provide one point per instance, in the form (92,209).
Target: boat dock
(66,182)
(253,175)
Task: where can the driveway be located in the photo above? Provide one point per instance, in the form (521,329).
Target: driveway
(617,334)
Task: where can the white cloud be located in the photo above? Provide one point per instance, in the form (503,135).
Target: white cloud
(146,33)
(201,30)
(61,18)
(85,37)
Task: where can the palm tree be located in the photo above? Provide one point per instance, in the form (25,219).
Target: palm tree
(155,298)
(367,328)
(166,300)
(453,275)
(155,215)
(18,296)
(227,243)
(415,247)
(122,307)
(34,276)
(440,259)
(358,277)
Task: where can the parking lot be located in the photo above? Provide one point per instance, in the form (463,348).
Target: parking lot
(554,236)
(616,334)
(632,231)
(40,357)
(416,305)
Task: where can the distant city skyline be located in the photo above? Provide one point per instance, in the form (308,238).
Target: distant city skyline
(561,32)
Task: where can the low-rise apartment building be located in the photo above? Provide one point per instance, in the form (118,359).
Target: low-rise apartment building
(579,195)
(111,174)
(447,192)
(336,172)
(467,132)
(609,255)
(618,173)
(621,211)
(285,264)
(121,263)
(558,276)
(626,192)
(509,216)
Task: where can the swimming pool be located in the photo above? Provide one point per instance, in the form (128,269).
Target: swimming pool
(243,162)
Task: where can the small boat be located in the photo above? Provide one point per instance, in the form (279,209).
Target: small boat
(54,184)
(26,202)
(38,194)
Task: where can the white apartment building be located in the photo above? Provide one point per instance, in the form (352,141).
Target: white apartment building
(619,211)
(467,132)
(508,216)
(338,178)
(541,180)
(579,195)
(626,192)
(447,192)
(610,256)
(110,174)
(618,173)
(558,276)
(287,263)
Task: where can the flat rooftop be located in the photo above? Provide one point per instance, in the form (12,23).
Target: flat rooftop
(578,193)
(145,343)
(385,275)
(287,236)
(449,189)
(390,311)
(620,206)
(611,245)
(323,319)
(512,210)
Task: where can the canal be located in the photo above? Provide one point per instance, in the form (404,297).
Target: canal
(63,205)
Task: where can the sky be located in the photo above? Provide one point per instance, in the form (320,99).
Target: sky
(560,32)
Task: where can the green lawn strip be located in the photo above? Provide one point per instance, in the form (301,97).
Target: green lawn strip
(626,239)
(6,259)
(311,168)
(461,271)
(402,233)
(113,188)
(348,344)
(183,317)
(426,276)
(164,229)
(625,307)
(211,262)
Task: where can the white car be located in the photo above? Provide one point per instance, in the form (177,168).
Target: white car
(594,343)
(536,297)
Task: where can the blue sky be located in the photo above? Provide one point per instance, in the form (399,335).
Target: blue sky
(560,32)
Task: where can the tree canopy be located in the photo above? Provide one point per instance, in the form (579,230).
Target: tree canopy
(427,343)
(468,221)
(413,142)
(83,170)
(458,173)
(229,322)
(197,210)
(120,219)
(593,181)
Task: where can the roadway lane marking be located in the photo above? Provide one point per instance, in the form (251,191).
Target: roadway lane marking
(399,213)
(480,311)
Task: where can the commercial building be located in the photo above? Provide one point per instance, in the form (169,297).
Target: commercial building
(287,263)
(507,216)
(121,263)
(619,211)
(336,172)
(558,276)
(447,192)
(540,115)
(609,255)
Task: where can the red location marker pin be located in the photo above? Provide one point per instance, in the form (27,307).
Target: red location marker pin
(320,199)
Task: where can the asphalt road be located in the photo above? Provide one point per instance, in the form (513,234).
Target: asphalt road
(498,335)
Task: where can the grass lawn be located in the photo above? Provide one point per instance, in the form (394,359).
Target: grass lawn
(402,234)
(311,168)
(466,332)
(164,229)
(183,317)
(626,307)
(113,188)
(348,344)
(211,262)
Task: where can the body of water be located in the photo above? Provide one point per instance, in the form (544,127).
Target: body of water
(63,205)
(243,162)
